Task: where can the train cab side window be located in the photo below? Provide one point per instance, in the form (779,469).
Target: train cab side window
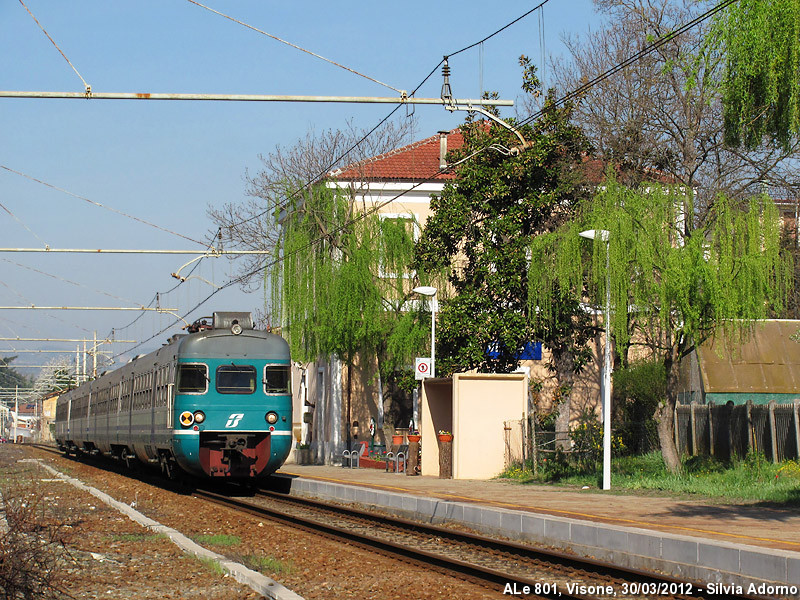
(236,379)
(192,379)
(277,379)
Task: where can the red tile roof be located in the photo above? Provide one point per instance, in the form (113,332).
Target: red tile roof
(416,162)
(420,162)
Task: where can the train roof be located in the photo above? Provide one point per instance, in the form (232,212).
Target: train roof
(230,336)
(212,343)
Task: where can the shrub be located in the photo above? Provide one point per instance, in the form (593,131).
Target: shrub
(638,388)
(33,562)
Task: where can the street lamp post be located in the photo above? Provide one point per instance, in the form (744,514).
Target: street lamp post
(427,290)
(604,236)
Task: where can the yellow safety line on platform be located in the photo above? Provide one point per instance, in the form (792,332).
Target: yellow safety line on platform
(552,510)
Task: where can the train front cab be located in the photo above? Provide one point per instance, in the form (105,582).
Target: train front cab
(233,414)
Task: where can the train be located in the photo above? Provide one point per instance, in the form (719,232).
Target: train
(212,403)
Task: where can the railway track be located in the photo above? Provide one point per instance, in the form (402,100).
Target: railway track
(515,569)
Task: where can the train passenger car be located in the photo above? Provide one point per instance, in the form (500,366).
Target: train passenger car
(213,403)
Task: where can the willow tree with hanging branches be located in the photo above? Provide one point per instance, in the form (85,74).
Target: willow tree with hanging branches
(341,284)
(672,282)
(761,85)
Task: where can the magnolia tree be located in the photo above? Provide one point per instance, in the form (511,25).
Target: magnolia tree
(673,283)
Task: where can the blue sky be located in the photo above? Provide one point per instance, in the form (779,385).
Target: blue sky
(167,162)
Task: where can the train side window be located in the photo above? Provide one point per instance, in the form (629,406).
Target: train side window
(277,379)
(192,379)
(236,379)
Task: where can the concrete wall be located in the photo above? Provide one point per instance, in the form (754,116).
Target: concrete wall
(436,414)
(473,407)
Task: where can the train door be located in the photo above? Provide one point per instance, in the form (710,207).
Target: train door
(128,409)
(89,428)
(171,396)
(68,432)
(153,380)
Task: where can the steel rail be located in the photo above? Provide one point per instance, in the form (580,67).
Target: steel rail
(471,572)
(474,572)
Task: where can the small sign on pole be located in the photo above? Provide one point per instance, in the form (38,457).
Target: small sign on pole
(422,368)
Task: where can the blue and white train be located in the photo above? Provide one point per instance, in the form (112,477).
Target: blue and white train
(214,403)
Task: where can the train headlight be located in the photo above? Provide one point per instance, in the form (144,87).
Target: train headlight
(236,329)
(187,418)
(271,417)
(199,416)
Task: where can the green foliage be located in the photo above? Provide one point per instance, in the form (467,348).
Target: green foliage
(672,279)
(753,479)
(684,280)
(218,539)
(637,390)
(761,86)
(481,227)
(342,285)
(268,565)
(10,377)
(212,565)
(587,441)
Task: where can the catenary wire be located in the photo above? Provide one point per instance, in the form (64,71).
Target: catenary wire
(411,94)
(296,47)
(85,85)
(114,210)
(18,220)
(75,283)
(529,119)
(631,59)
(503,28)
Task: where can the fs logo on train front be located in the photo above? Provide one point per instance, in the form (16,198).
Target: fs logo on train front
(233,420)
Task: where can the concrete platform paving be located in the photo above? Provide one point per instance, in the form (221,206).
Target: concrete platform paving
(720,544)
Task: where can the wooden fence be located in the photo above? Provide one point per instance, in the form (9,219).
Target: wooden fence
(734,430)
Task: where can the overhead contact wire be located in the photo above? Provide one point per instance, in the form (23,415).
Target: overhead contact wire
(503,28)
(114,210)
(327,169)
(330,166)
(18,220)
(75,283)
(295,46)
(85,85)
(632,59)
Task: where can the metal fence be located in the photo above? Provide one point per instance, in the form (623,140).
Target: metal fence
(520,447)
(725,431)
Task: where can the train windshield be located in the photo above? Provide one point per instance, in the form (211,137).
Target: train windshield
(192,379)
(276,379)
(236,379)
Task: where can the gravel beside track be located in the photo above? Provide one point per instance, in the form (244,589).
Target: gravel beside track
(109,556)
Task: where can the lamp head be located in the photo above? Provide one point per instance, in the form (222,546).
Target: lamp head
(591,234)
(425,290)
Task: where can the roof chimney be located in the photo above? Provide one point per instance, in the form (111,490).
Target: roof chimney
(442,149)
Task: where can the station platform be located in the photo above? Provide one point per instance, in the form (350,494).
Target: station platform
(724,544)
